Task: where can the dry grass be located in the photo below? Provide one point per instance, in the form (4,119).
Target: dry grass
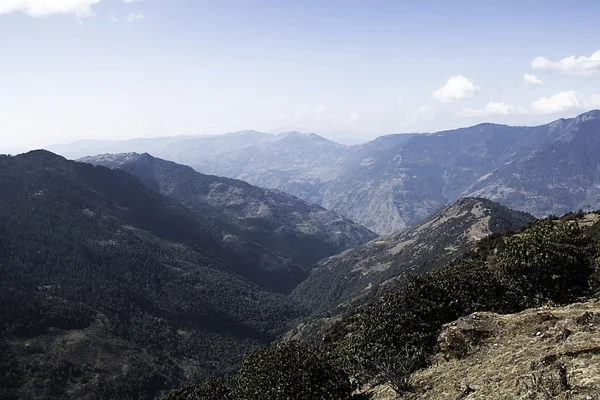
(539,354)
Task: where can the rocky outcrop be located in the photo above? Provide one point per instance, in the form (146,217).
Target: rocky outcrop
(542,353)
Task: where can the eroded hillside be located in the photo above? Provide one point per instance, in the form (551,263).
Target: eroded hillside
(541,353)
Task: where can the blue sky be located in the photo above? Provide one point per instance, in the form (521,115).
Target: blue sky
(110,69)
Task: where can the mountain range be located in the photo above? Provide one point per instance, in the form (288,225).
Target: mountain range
(346,282)
(111,289)
(396,181)
(279,223)
(357,275)
(140,275)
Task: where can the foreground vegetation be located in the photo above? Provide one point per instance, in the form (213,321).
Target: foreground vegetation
(554,261)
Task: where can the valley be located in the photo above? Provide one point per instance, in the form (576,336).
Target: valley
(299,200)
(147,265)
(396,181)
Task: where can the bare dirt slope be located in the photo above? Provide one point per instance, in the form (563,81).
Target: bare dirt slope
(538,354)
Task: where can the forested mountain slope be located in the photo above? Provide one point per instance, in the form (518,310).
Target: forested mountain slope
(357,275)
(344,283)
(109,289)
(278,222)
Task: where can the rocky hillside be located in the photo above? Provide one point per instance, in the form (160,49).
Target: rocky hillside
(541,353)
(356,276)
(564,174)
(396,181)
(275,221)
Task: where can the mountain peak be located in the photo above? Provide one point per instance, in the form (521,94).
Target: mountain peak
(302,135)
(296,134)
(248,132)
(112,160)
(43,157)
(590,115)
(467,202)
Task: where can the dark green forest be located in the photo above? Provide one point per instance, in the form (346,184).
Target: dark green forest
(112,290)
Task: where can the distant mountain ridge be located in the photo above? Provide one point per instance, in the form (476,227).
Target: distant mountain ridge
(395,181)
(279,223)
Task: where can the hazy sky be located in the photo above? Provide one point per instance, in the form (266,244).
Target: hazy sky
(110,69)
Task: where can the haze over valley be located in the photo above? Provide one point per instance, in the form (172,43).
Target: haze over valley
(396,181)
(309,200)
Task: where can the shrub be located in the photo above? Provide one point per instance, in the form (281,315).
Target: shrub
(548,262)
(395,336)
(210,389)
(291,371)
(594,281)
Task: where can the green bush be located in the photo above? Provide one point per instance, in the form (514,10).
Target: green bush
(594,280)
(210,389)
(291,371)
(548,262)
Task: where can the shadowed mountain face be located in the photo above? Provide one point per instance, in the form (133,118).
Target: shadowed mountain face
(110,289)
(248,216)
(560,176)
(354,277)
(296,163)
(396,181)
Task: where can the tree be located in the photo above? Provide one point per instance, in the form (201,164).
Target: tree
(551,261)
(291,371)
(210,389)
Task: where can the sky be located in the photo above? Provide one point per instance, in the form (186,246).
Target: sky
(121,69)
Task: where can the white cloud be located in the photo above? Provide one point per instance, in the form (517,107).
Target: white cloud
(113,18)
(132,1)
(353,118)
(493,108)
(134,17)
(565,101)
(583,66)
(457,87)
(422,113)
(42,8)
(531,79)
